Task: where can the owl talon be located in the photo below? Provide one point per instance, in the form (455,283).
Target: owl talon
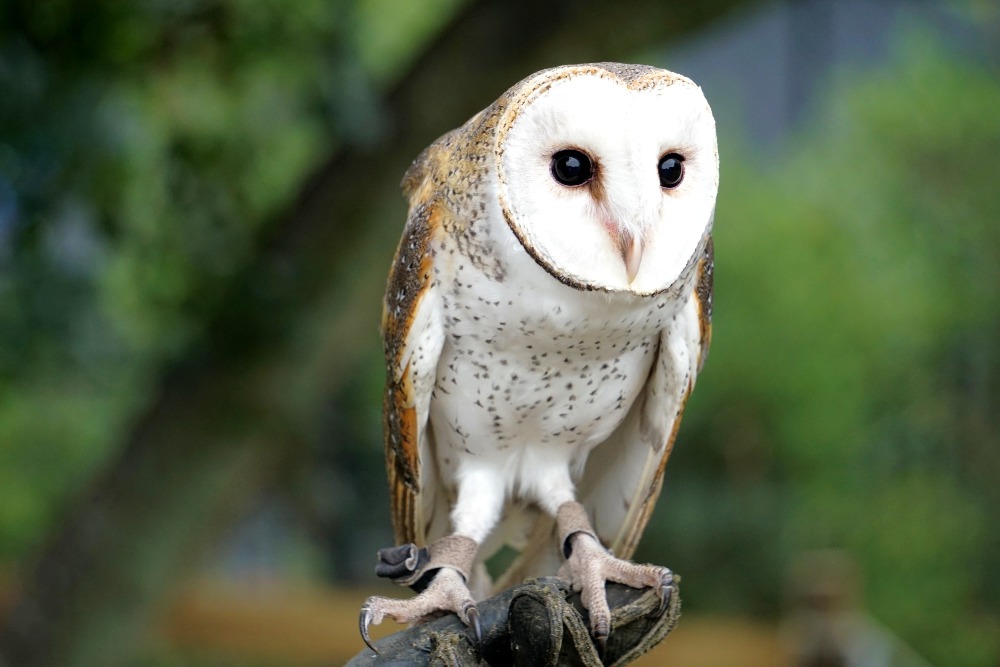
(472,614)
(666,590)
(600,635)
(446,592)
(589,566)
(364,620)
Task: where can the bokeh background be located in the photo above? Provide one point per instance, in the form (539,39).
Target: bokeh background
(198,205)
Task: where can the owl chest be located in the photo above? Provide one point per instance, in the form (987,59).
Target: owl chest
(527,368)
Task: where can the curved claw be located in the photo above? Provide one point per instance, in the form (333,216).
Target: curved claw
(473,615)
(666,590)
(364,620)
(601,641)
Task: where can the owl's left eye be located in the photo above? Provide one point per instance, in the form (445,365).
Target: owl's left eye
(572,167)
(671,170)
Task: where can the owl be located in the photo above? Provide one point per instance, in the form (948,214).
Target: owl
(547,311)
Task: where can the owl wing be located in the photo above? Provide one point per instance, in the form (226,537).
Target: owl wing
(413,336)
(624,475)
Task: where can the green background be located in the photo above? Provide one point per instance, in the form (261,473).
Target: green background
(198,204)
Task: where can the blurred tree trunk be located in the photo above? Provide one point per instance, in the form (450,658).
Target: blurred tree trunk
(220,427)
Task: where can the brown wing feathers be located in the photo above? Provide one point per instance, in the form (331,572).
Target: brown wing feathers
(408,282)
(703,294)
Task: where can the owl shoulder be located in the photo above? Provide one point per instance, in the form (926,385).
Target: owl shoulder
(425,174)
(446,162)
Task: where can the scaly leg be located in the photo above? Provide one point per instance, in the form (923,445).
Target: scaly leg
(447,562)
(448,565)
(589,565)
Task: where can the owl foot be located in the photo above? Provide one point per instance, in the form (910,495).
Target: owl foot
(438,573)
(589,565)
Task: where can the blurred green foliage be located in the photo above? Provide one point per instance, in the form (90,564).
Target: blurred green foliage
(143,149)
(851,394)
(850,397)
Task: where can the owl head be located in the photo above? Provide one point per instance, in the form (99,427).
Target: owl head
(608,173)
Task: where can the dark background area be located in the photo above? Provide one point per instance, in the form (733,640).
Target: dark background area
(199,203)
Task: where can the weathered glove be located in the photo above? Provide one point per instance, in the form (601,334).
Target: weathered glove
(540,622)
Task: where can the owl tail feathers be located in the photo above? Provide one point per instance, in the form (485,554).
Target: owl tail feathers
(539,556)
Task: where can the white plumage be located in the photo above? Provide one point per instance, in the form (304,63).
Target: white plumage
(547,313)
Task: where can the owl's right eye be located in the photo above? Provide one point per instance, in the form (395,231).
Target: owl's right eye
(572,167)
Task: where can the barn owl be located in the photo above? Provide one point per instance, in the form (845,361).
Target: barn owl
(546,314)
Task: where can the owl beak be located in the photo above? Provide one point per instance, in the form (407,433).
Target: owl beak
(631,250)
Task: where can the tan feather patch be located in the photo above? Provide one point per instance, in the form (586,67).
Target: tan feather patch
(704,292)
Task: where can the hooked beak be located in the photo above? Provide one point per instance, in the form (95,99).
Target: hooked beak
(631,250)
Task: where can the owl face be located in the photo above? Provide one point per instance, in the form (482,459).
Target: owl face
(609,180)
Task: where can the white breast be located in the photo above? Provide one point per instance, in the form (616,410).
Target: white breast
(534,374)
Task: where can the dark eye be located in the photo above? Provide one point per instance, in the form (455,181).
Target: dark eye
(671,170)
(572,167)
